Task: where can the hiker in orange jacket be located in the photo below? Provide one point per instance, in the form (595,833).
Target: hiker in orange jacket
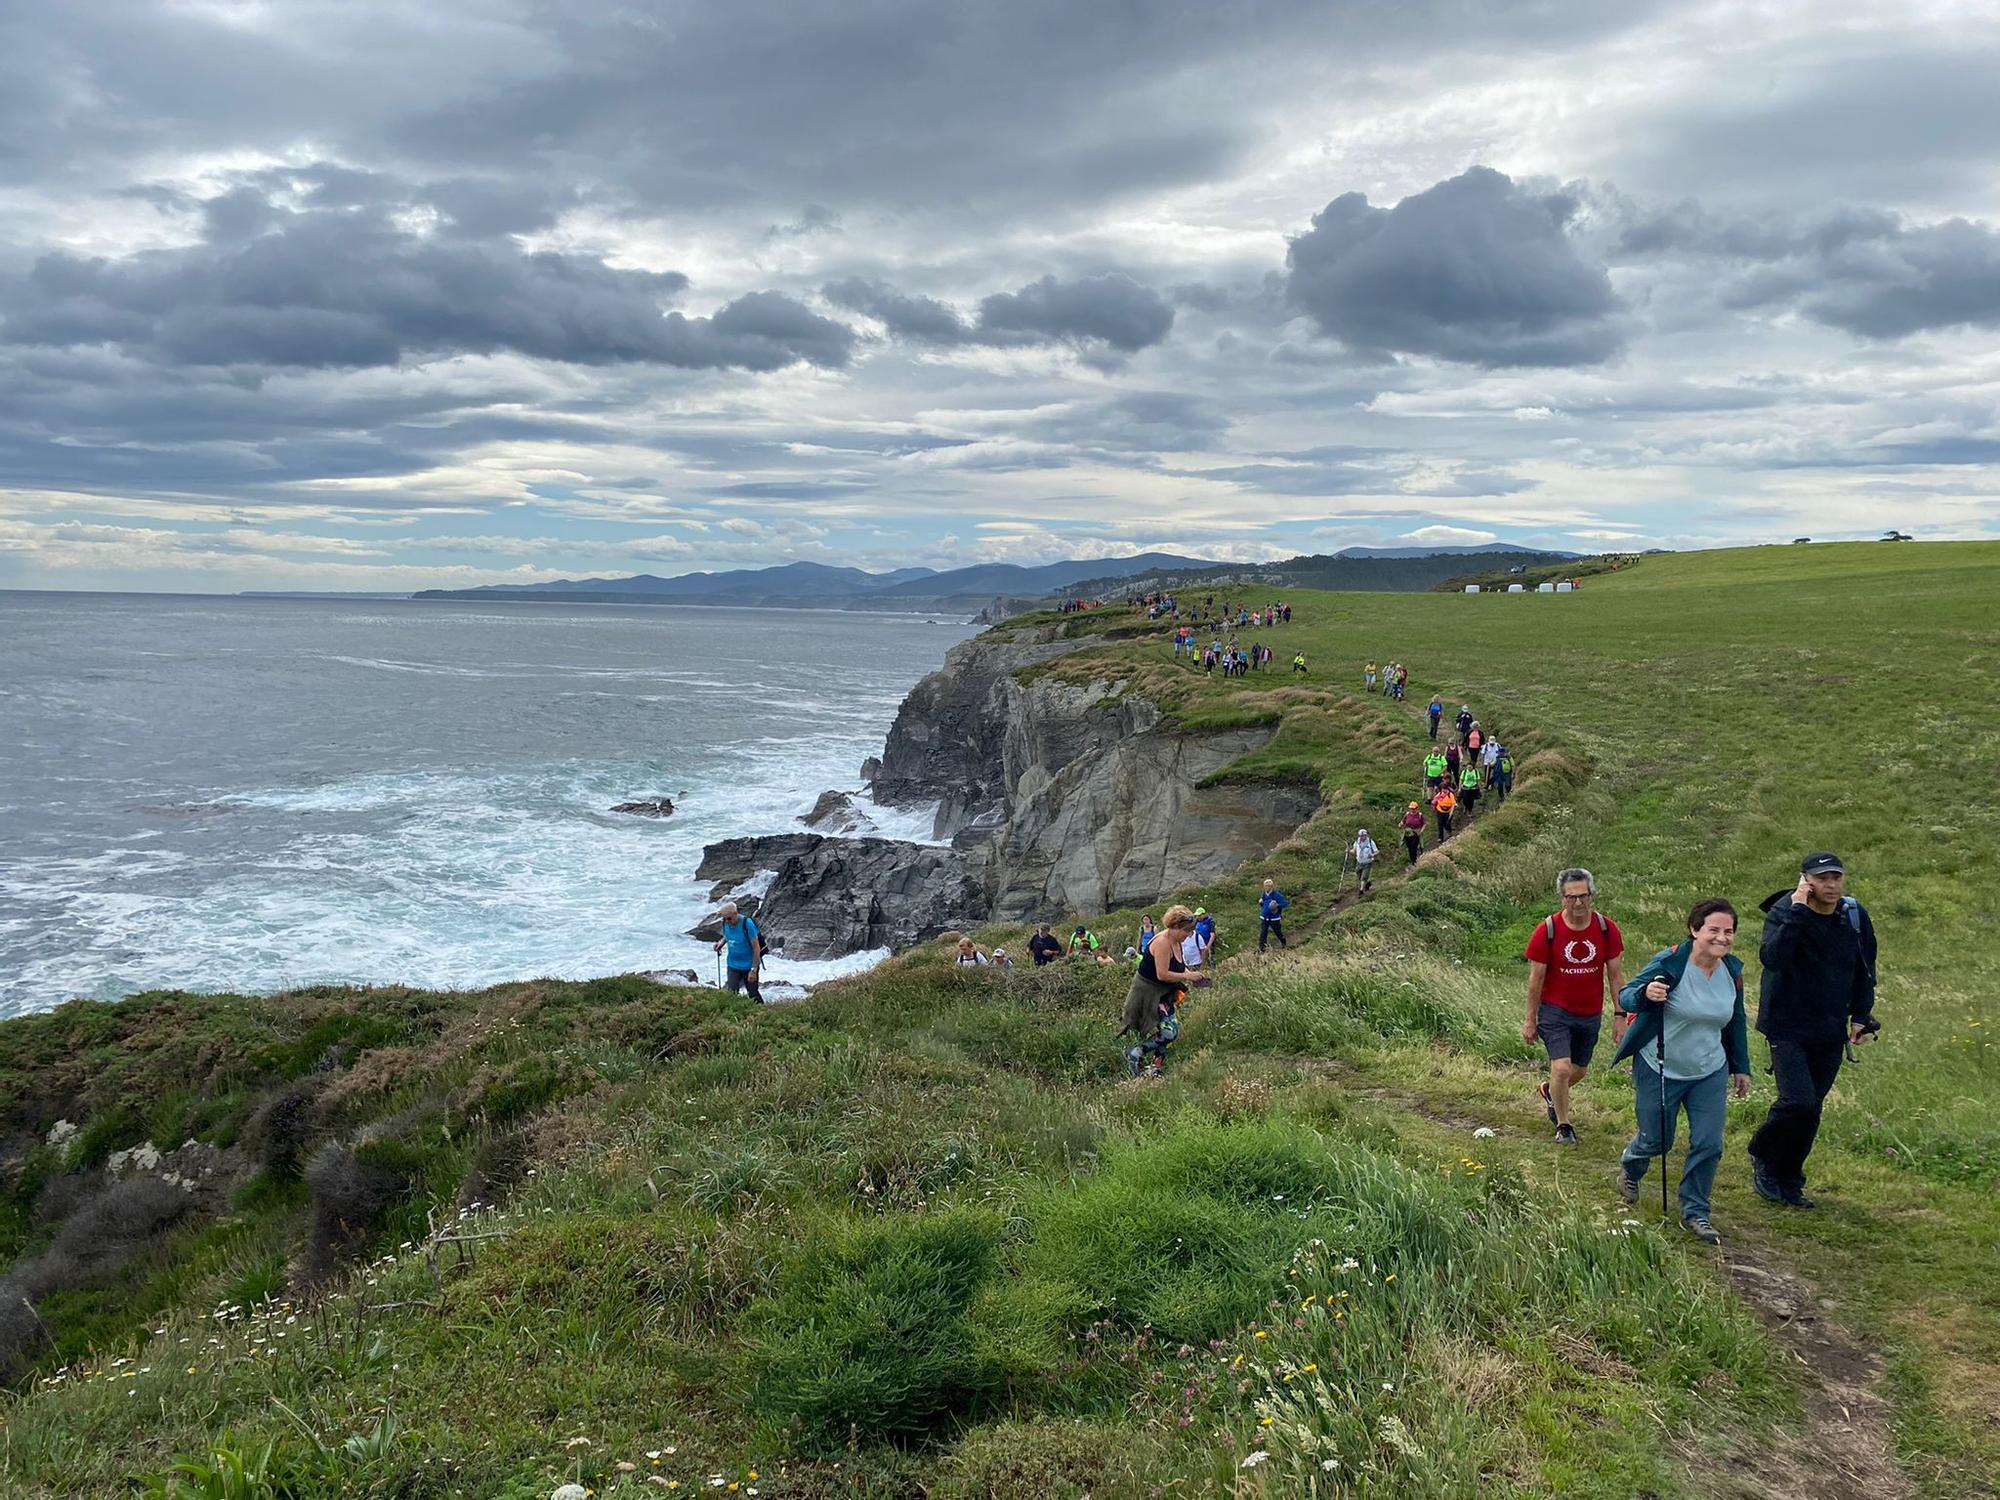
(1444,804)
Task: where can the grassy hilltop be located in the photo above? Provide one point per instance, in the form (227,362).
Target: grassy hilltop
(919,1236)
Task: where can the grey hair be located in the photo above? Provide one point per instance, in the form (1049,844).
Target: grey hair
(1576,873)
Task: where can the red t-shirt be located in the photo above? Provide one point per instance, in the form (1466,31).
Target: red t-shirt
(1576,961)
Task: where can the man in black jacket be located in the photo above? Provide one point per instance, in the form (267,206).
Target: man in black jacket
(1816,997)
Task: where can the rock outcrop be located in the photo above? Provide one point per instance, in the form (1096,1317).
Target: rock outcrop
(1056,796)
(835,812)
(829,896)
(657,807)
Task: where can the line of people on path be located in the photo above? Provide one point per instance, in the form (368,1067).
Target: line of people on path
(1681,1022)
(1394,679)
(1456,777)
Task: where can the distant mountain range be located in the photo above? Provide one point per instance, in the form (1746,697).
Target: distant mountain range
(808,585)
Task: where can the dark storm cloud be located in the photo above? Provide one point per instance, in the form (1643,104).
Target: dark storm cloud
(964,105)
(1112,311)
(921,320)
(1477,269)
(341,289)
(1898,118)
(1861,270)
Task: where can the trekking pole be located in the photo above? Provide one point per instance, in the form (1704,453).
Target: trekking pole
(1660,1054)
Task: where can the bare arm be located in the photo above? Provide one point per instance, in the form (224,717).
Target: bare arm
(1536,974)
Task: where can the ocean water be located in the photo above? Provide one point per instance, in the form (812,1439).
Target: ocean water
(250,794)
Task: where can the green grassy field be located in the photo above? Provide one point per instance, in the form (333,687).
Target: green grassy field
(919,1236)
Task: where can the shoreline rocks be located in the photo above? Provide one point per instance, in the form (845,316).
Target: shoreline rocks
(1057,797)
(656,807)
(832,896)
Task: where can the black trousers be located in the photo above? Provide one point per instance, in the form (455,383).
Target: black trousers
(1412,842)
(1434,728)
(1444,826)
(1805,1072)
(1270,927)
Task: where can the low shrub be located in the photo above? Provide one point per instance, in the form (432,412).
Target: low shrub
(350,1197)
(871,1333)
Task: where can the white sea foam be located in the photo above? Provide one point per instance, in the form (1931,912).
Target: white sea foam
(462,858)
(911,824)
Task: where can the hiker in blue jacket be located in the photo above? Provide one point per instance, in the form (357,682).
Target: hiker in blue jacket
(1695,993)
(1271,913)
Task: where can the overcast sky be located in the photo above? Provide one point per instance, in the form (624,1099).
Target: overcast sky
(380,294)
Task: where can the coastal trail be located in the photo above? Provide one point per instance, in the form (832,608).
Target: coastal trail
(1843,1446)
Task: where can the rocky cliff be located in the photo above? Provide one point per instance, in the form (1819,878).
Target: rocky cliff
(1056,798)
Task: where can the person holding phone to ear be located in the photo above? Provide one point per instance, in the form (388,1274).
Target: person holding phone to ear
(1816,998)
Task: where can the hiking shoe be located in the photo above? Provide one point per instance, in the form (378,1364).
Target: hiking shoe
(1628,1190)
(1702,1230)
(1796,1198)
(1542,1091)
(1764,1183)
(1565,1135)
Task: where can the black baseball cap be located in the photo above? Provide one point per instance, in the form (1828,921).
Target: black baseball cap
(1822,864)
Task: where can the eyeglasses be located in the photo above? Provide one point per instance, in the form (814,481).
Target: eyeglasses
(1584,896)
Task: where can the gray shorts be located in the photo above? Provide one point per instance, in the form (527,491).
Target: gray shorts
(741,980)
(1566,1034)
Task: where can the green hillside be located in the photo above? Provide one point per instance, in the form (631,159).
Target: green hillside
(918,1235)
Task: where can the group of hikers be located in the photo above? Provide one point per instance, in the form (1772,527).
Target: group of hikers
(1394,678)
(1235,658)
(1457,775)
(1166,604)
(1680,1020)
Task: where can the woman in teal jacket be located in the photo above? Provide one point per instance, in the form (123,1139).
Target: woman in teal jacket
(1694,995)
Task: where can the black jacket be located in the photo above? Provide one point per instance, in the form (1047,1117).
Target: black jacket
(1819,973)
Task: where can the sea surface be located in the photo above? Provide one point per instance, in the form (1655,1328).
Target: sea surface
(249,794)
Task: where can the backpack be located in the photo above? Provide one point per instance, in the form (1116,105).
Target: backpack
(1853,910)
(1603,927)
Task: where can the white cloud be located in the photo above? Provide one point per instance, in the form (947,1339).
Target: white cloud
(1448,536)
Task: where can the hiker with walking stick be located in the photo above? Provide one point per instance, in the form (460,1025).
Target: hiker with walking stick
(743,947)
(1690,1048)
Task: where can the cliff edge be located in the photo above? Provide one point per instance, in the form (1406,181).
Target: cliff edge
(1052,795)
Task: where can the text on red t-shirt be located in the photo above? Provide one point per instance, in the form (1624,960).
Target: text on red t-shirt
(1576,961)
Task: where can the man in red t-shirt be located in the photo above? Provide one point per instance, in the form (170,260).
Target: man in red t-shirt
(1570,956)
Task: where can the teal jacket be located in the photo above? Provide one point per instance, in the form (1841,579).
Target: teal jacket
(1647,1018)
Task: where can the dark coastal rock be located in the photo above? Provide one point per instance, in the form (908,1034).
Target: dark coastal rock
(662,807)
(835,812)
(870,769)
(1059,797)
(945,745)
(830,896)
(672,976)
(709,928)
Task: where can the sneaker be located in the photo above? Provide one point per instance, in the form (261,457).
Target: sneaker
(1628,1190)
(1796,1198)
(1565,1135)
(1702,1230)
(1764,1183)
(1542,1091)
